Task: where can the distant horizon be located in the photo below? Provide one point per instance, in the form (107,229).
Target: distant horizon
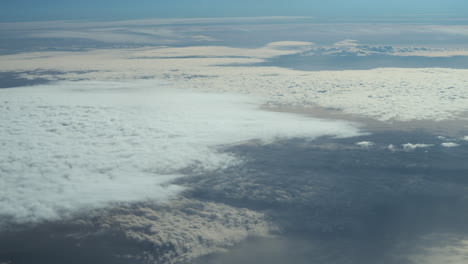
(403,18)
(51,10)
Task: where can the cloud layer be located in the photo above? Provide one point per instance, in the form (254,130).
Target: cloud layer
(73,146)
(390,94)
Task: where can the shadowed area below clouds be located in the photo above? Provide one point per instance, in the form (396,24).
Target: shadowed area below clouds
(348,204)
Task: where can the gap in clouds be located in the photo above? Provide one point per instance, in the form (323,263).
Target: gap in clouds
(73,146)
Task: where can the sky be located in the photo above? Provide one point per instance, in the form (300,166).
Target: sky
(31,10)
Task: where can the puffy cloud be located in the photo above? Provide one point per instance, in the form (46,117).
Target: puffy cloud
(450,144)
(73,146)
(365,144)
(410,146)
(391,147)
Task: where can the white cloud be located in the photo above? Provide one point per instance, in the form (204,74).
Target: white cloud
(203,38)
(290,45)
(365,144)
(465,138)
(411,147)
(461,30)
(72,146)
(385,94)
(391,147)
(450,144)
(347,43)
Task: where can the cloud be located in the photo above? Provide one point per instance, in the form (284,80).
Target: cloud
(146,22)
(411,147)
(139,32)
(203,38)
(450,144)
(391,147)
(78,145)
(290,45)
(365,144)
(457,30)
(385,94)
(118,35)
(184,230)
(101,36)
(347,43)
(349,47)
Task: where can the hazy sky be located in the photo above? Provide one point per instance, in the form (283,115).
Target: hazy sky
(29,10)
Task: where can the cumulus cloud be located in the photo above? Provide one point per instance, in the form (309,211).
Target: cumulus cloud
(450,144)
(365,144)
(411,147)
(391,147)
(73,146)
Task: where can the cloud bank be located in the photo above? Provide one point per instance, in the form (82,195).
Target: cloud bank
(79,145)
(388,95)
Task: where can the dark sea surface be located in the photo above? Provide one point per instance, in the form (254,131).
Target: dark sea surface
(13,79)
